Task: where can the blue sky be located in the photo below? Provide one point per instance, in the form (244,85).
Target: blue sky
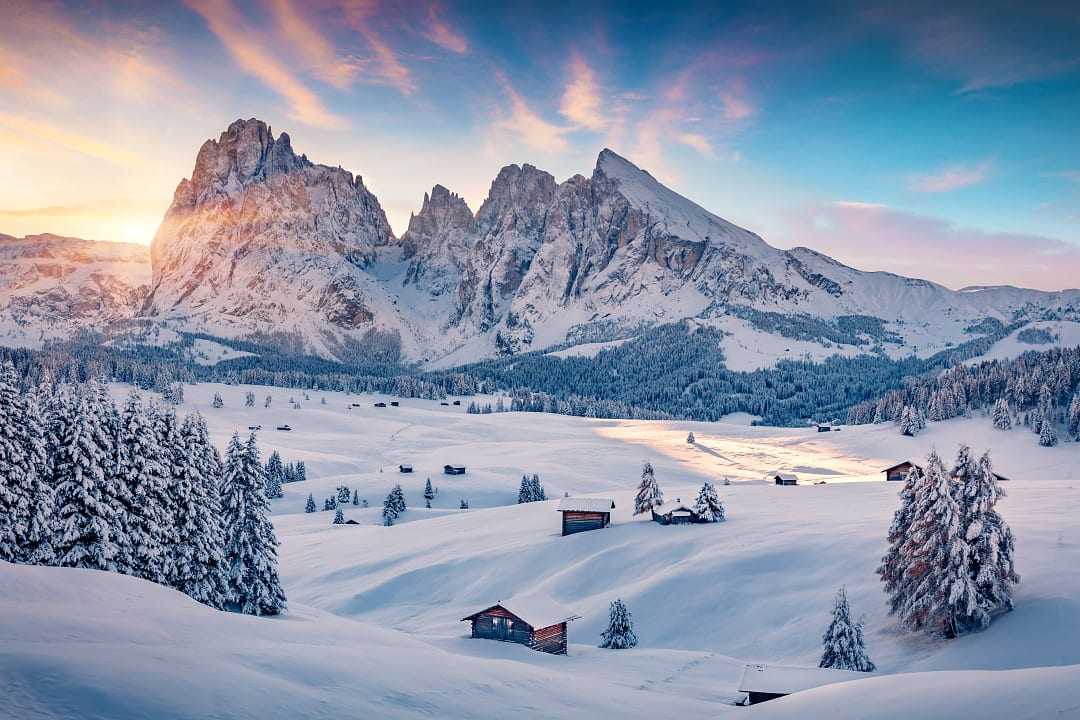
(937,139)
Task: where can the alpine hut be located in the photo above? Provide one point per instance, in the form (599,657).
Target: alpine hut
(404,468)
(674,512)
(581,514)
(900,472)
(538,622)
(780,478)
(453,469)
(768,682)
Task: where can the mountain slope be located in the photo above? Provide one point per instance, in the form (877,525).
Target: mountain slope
(52,286)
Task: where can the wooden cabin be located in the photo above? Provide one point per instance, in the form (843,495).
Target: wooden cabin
(901,470)
(824,427)
(582,514)
(453,469)
(675,512)
(768,682)
(394,403)
(457,402)
(784,478)
(538,623)
(380,404)
(404,468)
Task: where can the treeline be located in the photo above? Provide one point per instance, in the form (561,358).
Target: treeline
(1038,390)
(134,490)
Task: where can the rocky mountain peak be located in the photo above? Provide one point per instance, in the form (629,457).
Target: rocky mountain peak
(518,186)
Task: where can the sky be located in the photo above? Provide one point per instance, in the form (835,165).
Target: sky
(933,139)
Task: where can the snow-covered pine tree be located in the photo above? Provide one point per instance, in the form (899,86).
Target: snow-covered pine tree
(275,476)
(464,504)
(525,490)
(1073,418)
(1047,434)
(537,489)
(690,439)
(269,399)
(145,465)
(389,510)
(940,594)
(343,494)
(250,543)
(356,497)
(310,507)
(89,506)
(339,517)
(25,497)
(330,503)
(301,472)
(398,497)
(1002,416)
(844,647)
(649,494)
(894,564)
(990,541)
(429,493)
(619,634)
(708,506)
(218,402)
(909,422)
(198,555)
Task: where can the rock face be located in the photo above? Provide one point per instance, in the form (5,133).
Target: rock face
(262,243)
(262,240)
(52,286)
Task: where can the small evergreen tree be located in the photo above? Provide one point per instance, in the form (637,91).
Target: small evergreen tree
(649,494)
(300,474)
(310,507)
(269,399)
(1047,435)
(339,517)
(397,496)
(844,647)
(343,494)
(275,476)
(1002,416)
(218,402)
(690,438)
(389,510)
(537,488)
(525,490)
(249,399)
(25,497)
(708,506)
(356,497)
(429,493)
(619,634)
(330,503)
(464,504)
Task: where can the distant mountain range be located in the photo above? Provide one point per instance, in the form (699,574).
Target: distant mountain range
(261,243)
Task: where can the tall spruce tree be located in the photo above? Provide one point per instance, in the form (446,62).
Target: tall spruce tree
(275,476)
(429,493)
(843,643)
(537,489)
(250,543)
(619,634)
(525,494)
(708,506)
(25,496)
(143,457)
(893,568)
(940,594)
(991,544)
(649,494)
(1002,416)
(198,557)
(310,506)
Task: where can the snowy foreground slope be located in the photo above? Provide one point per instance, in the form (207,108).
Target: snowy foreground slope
(373,628)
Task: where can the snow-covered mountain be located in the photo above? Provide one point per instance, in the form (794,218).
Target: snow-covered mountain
(51,286)
(262,243)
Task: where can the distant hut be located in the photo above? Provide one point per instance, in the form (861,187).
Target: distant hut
(404,468)
(457,402)
(900,472)
(537,622)
(674,512)
(453,469)
(582,514)
(394,403)
(824,427)
(380,404)
(768,682)
(780,478)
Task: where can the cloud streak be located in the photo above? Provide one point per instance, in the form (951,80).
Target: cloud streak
(581,102)
(248,50)
(442,34)
(870,236)
(950,177)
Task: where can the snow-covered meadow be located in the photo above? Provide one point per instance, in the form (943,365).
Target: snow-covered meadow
(373,627)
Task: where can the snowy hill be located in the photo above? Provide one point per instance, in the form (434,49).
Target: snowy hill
(374,622)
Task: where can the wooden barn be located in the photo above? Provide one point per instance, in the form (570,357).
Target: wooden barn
(453,469)
(404,468)
(537,622)
(768,682)
(674,512)
(581,514)
(780,478)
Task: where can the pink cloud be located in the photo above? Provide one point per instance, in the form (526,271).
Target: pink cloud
(581,103)
(528,126)
(870,236)
(386,68)
(442,34)
(950,177)
(318,53)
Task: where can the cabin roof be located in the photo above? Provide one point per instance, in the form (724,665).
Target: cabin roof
(785,476)
(899,465)
(591,505)
(672,506)
(451,465)
(539,611)
(786,679)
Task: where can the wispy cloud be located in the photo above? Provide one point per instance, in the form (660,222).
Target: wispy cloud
(870,236)
(440,32)
(43,132)
(319,53)
(385,68)
(950,177)
(250,53)
(528,126)
(696,141)
(581,103)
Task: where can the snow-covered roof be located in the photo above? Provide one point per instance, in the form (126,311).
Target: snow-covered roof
(786,679)
(785,476)
(592,505)
(672,506)
(537,610)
